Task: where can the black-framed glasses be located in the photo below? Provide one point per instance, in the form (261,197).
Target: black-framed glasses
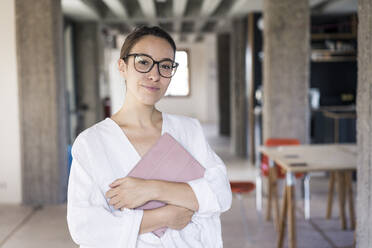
(144,63)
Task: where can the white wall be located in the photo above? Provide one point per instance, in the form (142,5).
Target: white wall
(116,82)
(202,103)
(10,149)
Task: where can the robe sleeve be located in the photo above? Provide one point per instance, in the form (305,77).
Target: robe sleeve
(212,191)
(91,221)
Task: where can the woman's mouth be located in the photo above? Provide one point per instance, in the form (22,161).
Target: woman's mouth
(152,89)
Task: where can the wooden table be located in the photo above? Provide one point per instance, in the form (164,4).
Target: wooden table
(339,158)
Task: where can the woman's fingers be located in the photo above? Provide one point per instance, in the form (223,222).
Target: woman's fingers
(112,192)
(118,205)
(116,183)
(114,200)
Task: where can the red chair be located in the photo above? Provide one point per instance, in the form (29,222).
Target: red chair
(280,173)
(242,187)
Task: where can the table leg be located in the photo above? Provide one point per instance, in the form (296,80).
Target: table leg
(330,194)
(350,196)
(274,193)
(291,210)
(341,197)
(282,222)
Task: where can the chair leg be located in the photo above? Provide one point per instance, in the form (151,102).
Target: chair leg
(341,198)
(269,186)
(331,187)
(291,216)
(283,219)
(350,196)
(307,196)
(259,192)
(274,189)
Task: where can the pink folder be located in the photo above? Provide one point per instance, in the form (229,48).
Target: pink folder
(167,160)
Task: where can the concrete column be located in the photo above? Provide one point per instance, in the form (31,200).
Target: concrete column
(42,101)
(238,87)
(286,69)
(364,126)
(88,57)
(223,75)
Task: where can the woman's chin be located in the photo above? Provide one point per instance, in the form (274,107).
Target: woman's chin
(150,100)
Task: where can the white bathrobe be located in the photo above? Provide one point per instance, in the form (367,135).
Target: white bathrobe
(103,153)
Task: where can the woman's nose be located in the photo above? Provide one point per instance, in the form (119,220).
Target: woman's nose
(154,73)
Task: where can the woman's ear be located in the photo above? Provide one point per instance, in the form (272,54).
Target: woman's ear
(122,66)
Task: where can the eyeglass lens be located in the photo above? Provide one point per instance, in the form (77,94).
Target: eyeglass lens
(144,63)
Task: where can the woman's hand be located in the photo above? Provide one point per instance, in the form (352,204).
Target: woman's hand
(130,192)
(177,217)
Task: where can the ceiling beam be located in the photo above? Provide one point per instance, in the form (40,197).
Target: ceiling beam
(149,10)
(240,8)
(320,6)
(179,8)
(314,3)
(92,5)
(117,8)
(78,9)
(167,19)
(207,8)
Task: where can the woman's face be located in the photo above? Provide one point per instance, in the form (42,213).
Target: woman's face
(149,87)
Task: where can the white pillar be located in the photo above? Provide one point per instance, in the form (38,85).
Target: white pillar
(10,148)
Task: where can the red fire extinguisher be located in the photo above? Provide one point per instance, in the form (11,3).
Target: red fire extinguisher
(107,107)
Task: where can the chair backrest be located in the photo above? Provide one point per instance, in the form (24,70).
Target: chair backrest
(281,142)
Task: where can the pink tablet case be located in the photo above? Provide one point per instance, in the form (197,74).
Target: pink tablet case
(166,160)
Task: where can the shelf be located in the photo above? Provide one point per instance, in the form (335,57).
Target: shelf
(324,55)
(334,59)
(346,36)
(331,52)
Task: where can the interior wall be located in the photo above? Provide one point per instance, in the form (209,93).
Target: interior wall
(116,82)
(10,149)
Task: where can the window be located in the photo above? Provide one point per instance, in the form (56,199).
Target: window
(180,84)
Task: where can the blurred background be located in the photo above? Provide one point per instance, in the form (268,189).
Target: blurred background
(249,70)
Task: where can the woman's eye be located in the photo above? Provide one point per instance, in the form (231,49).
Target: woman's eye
(143,62)
(166,67)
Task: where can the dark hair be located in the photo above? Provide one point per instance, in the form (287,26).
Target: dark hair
(139,32)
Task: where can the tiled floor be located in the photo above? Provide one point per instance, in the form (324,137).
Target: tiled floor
(242,225)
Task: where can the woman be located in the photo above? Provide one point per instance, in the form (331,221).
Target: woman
(101,199)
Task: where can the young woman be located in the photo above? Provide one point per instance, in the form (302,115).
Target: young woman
(101,198)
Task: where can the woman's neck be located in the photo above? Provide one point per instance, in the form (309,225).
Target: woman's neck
(134,113)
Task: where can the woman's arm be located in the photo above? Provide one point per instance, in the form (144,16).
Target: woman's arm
(179,194)
(207,195)
(168,216)
(130,192)
(90,221)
